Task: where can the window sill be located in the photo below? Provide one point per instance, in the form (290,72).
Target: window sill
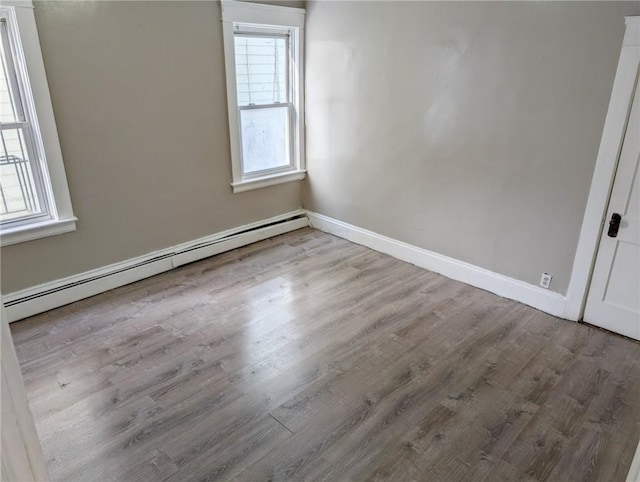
(261,182)
(43,229)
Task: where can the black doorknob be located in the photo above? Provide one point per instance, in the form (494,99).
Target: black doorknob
(614,225)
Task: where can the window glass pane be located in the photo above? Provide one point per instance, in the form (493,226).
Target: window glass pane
(17,184)
(8,99)
(261,69)
(265,138)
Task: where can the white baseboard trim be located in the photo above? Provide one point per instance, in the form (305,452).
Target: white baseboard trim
(634,470)
(47,296)
(38,299)
(542,299)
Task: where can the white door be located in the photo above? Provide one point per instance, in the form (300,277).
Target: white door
(614,296)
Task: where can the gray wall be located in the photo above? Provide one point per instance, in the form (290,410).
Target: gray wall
(469,129)
(139,96)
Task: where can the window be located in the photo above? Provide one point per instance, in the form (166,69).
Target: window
(263,56)
(34,198)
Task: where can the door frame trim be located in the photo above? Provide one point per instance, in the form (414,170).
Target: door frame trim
(604,172)
(21,452)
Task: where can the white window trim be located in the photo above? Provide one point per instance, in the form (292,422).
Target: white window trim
(61,219)
(276,16)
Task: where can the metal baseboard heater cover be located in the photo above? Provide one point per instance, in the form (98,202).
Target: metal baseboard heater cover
(177,256)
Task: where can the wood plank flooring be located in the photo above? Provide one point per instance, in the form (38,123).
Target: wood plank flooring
(306,357)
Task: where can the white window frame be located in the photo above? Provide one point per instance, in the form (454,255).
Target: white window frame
(59,218)
(245,17)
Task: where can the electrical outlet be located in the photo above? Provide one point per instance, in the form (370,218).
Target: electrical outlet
(545,281)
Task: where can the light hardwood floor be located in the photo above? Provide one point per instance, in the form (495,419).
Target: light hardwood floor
(306,357)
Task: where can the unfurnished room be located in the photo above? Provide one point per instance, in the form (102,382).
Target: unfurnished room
(321,240)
